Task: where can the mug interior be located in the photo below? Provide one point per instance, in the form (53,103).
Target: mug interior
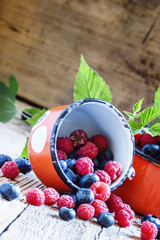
(99,117)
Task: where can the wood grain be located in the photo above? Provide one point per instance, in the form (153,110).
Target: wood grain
(41,42)
(18,220)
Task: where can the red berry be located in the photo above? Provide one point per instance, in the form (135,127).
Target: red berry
(84,165)
(145,138)
(89,150)
(35,197)
(114,202)
(148,231)
(155,140)
(65,144)
(79,138)
(137,138)
(125,207)
(66,201)
(85,211)
(113,169)
(10,169)
(100,141)
(99,206)
(51,196)
(123,218)
(101,190)
(61,155)
(103,176)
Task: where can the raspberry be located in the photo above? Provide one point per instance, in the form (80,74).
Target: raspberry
(114,202)
(85,211)
(51,196)
(155,139)
(10,170)
(89,150)
(148,231)
(100,141)
(145,138)
(66,201)
(79,138)
(103,176)
(61,155)
(125,207)
(99,206)
(113,169)
(123,218)
(65,144)
(35,197)
(137,138)
(101,190)
(84,165)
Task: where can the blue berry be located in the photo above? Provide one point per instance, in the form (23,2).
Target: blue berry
(106,155)
(63,164)
(153,219)
(71,175)
(102,164)
(9,191)
(96,163)
(85,195)
(3,159)
(151,149)
(105,219)
(87,180)
(73,195)
(71,163)
(23,165)
(67,213)
(73,155)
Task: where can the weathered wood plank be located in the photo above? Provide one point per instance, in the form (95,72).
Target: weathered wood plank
(41,42)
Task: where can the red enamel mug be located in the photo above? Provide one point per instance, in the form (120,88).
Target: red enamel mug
(93,116)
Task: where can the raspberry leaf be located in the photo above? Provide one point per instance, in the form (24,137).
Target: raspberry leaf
(35,118)
(149,114)
(25,150)
(136,127)
(7,109)
(6,92)
(89,84)
(137,106)
(13,85)
(155,129)
(157,97)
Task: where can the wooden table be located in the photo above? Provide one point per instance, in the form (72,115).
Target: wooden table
(19,220)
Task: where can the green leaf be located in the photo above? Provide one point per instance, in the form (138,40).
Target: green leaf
(129,114)
(13,85)
(35,118)
(137,106)
(148,115)
(90,85)
(25,150)
(157,97)
(155,129)
(32,111)
(134,126)
(6,92)
(7,109)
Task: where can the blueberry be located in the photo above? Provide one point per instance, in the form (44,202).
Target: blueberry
(105,155)
(23,165)
(3,159)
(67,213)
(63,164)
(71,163)
(151,149)
(73,195)
(88,179)
(105,219)
(85,195)
(153,219)
(71,175)
(102,164)
(96,163)
(73,155)
(9,191)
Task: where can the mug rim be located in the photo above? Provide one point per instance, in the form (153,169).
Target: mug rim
(54,135)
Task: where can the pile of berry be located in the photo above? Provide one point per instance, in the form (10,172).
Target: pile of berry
(85,161)
(148,145)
